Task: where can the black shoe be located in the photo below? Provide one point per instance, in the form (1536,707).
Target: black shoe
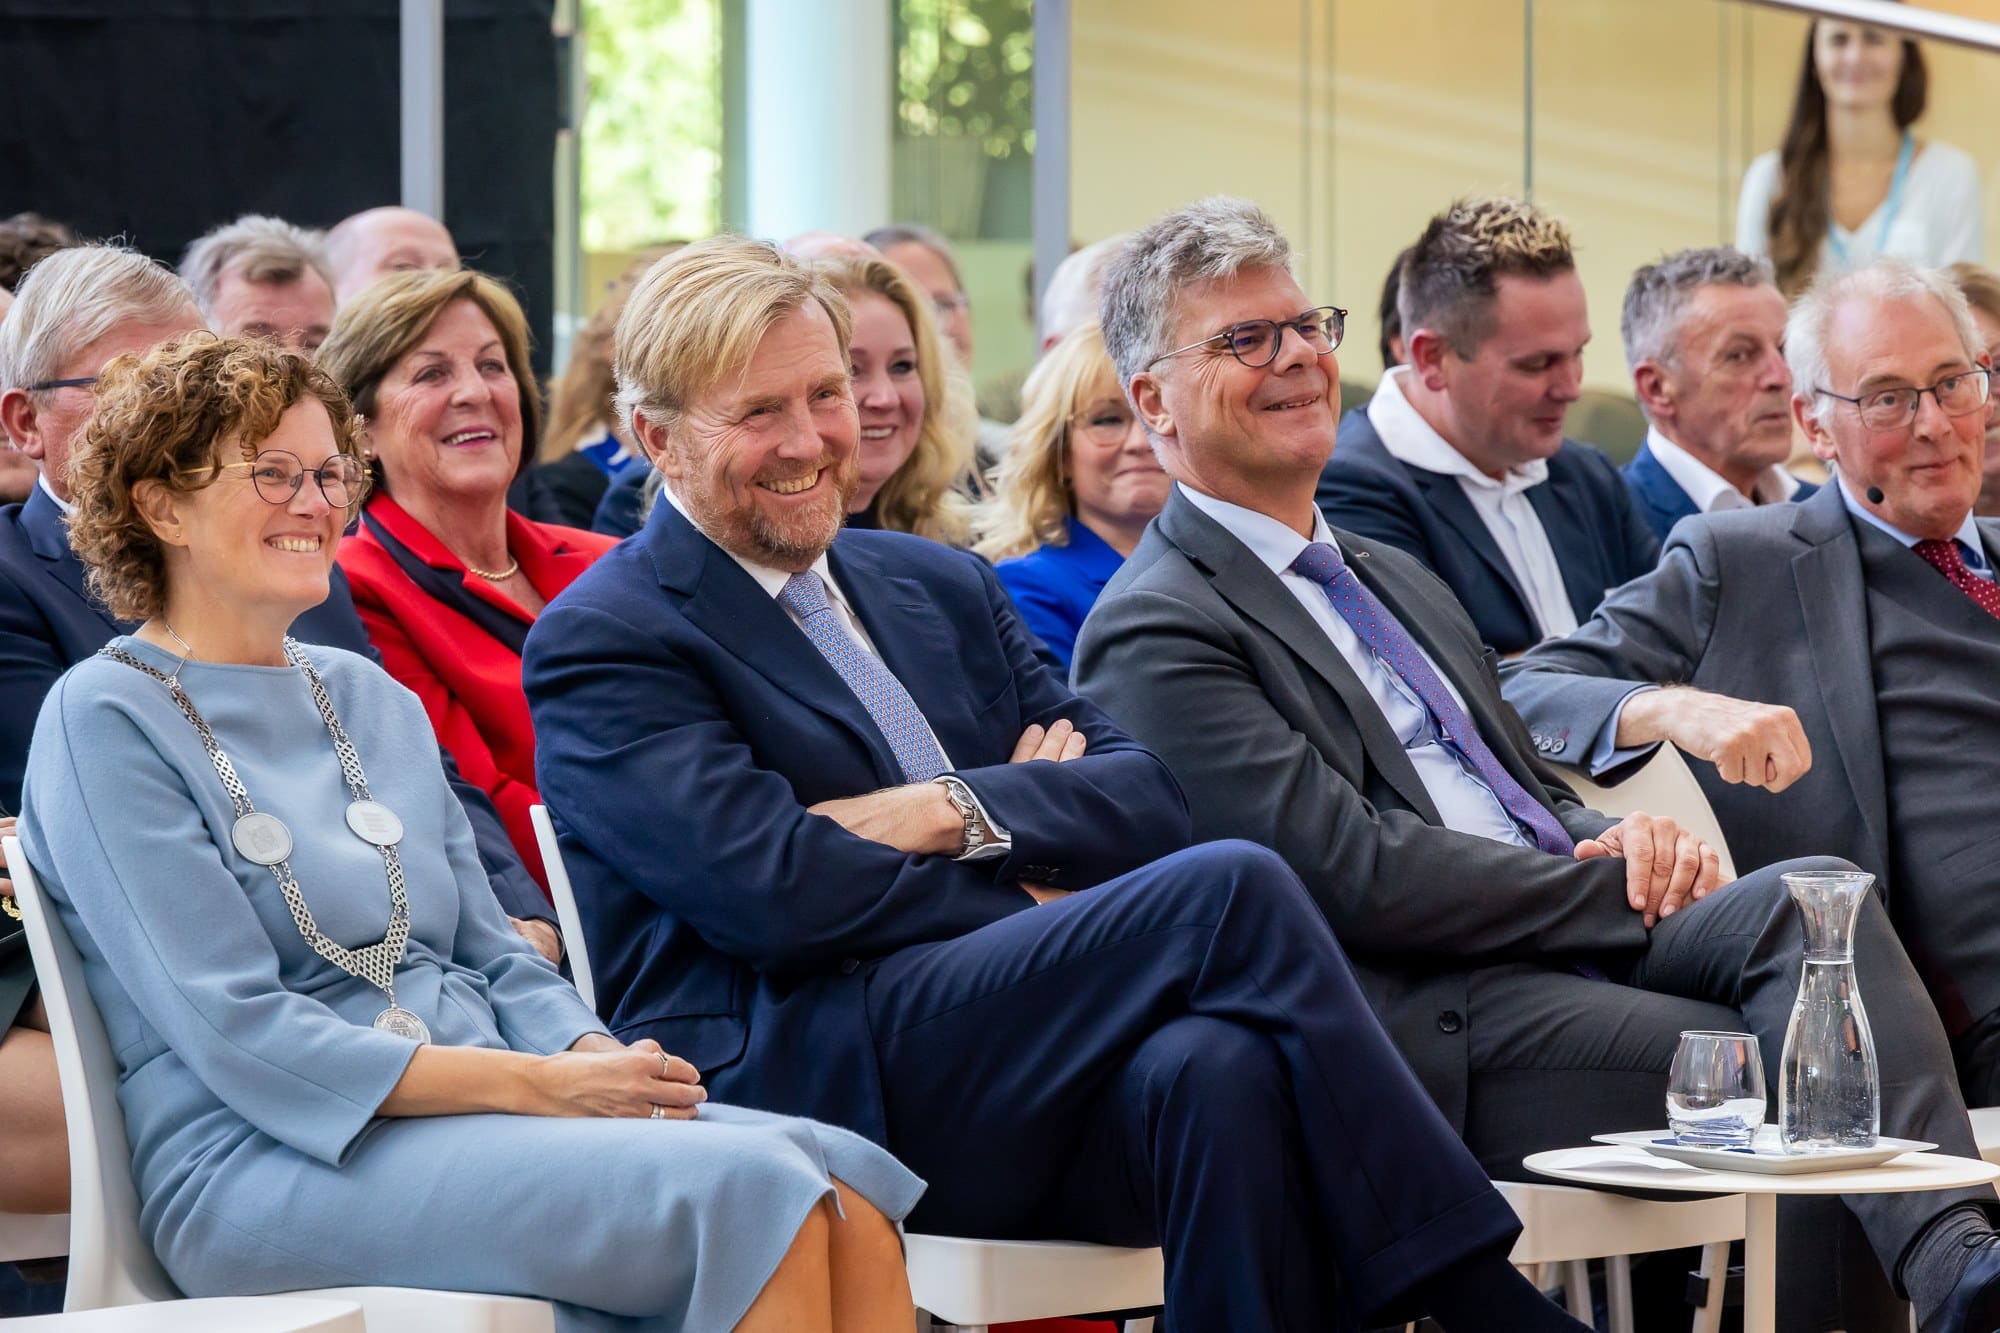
(1974,1303)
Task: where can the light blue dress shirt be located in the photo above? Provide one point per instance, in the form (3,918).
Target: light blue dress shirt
(1464,801)
(1969,547)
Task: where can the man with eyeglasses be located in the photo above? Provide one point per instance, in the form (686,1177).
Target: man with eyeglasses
(1870,611)
(1460,460)
(1320,693)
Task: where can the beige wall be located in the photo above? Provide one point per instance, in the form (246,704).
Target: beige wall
(1353,122)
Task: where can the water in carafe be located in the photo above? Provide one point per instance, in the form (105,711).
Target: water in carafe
(1829,1087)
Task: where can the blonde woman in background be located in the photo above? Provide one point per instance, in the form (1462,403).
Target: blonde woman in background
(1075,492)
(918,421)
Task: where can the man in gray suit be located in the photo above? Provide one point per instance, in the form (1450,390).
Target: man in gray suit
(1867,614)
(1326,696)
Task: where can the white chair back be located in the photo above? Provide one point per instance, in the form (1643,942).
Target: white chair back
(110,1263)
(1663,786)
(568,919)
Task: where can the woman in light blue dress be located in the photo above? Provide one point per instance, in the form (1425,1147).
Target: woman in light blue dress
(281,1137)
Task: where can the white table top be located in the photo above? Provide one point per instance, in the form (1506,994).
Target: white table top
(222,1314)
(1633,1168)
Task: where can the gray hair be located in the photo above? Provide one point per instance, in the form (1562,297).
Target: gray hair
(916,233)
(76,296)
(1883,280)
(1070,300)
(1215,238)
(265,250)
(1659,294)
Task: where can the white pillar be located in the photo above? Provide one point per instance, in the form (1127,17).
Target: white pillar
(422,101)
(818,89)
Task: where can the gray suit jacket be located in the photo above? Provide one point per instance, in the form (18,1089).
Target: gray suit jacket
(1765,604)
(1203,655)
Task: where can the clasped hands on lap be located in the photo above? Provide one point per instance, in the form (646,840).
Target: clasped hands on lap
(920,819)
(597,1076)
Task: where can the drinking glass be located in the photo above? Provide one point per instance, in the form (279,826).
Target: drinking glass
(1715,1092)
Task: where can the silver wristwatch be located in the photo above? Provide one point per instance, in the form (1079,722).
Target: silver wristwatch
(977,833)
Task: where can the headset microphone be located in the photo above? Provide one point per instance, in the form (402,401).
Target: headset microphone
(1874,495)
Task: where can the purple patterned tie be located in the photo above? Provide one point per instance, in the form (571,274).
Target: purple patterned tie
(1387,638)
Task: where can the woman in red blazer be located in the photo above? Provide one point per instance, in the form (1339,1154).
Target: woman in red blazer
(446,578)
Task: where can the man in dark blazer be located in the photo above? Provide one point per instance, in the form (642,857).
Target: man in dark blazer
(1321,693)
(1460,459)
(1704,336)
(844,841)
(75,312)
(1829,619)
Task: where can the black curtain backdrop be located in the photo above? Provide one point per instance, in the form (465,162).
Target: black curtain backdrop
(157,119)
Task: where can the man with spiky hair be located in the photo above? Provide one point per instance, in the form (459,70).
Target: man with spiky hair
(1460,460)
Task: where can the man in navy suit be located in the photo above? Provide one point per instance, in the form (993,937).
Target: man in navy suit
(844,841)
(74,312)
(1704,335)
(1460,458)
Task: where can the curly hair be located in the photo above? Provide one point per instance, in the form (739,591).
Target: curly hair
(1448,280)
(165,417)
(1032,493)
(921,497)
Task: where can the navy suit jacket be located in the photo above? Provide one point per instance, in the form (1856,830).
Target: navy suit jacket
(1661,501)
(1599,537)
(683,726)
(49,622)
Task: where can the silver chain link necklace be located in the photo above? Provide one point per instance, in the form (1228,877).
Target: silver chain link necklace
(264,839)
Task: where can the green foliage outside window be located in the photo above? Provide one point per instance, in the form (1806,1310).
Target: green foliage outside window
(965,69)
(652,128)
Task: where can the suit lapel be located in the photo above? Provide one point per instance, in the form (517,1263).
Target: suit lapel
(725,603)
(1448,498)
(1831,590)
(1263,599)
(48,535)
(910,631)
(1557,505)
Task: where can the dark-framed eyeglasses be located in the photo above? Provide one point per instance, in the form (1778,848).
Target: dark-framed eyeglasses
(1256,342)
(79,382)
(1959,394)
(278,473)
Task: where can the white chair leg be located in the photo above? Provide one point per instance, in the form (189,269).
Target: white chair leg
(1714,1268)
(1618,1292)
(1143,1324)
(1576,1288)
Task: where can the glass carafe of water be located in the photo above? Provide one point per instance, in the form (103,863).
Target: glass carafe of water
(1829,1089)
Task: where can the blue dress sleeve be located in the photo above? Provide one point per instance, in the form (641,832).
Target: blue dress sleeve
(1051,606)
(169,924)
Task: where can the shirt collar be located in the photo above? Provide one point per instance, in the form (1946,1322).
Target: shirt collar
(1707,487)
(1268,539)
(769,577)
(1967,536)
(1411,439)
(68,509)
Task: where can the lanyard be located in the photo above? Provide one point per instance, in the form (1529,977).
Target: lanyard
(1890,206)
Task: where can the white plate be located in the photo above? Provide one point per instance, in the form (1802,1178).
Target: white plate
(1767,1157)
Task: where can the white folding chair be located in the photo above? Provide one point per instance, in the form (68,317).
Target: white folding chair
(1986,1131)
(219,1314)
(33,1236)
(1663,786)
(968,1283)
(110,1263)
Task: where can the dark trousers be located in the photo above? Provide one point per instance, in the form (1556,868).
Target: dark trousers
(1181,1057)
(1556,1058)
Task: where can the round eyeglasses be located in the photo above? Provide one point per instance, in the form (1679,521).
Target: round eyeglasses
(1104,423)
(1892,409)
(1257,342)
(278,473)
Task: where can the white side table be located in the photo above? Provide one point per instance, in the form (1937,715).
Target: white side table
(219,1314)
(1633,1168)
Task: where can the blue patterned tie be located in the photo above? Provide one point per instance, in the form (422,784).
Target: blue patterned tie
(1387,638)
(895,712)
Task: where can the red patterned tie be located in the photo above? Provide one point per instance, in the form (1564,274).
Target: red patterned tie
(1945,558)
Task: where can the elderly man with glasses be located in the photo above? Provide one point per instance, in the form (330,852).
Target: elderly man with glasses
(1869,612)
(1321,693)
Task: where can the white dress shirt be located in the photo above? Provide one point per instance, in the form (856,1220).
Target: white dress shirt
(68,509)
(1463,799)
(773,580)
(1503,505)
(1709,489)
